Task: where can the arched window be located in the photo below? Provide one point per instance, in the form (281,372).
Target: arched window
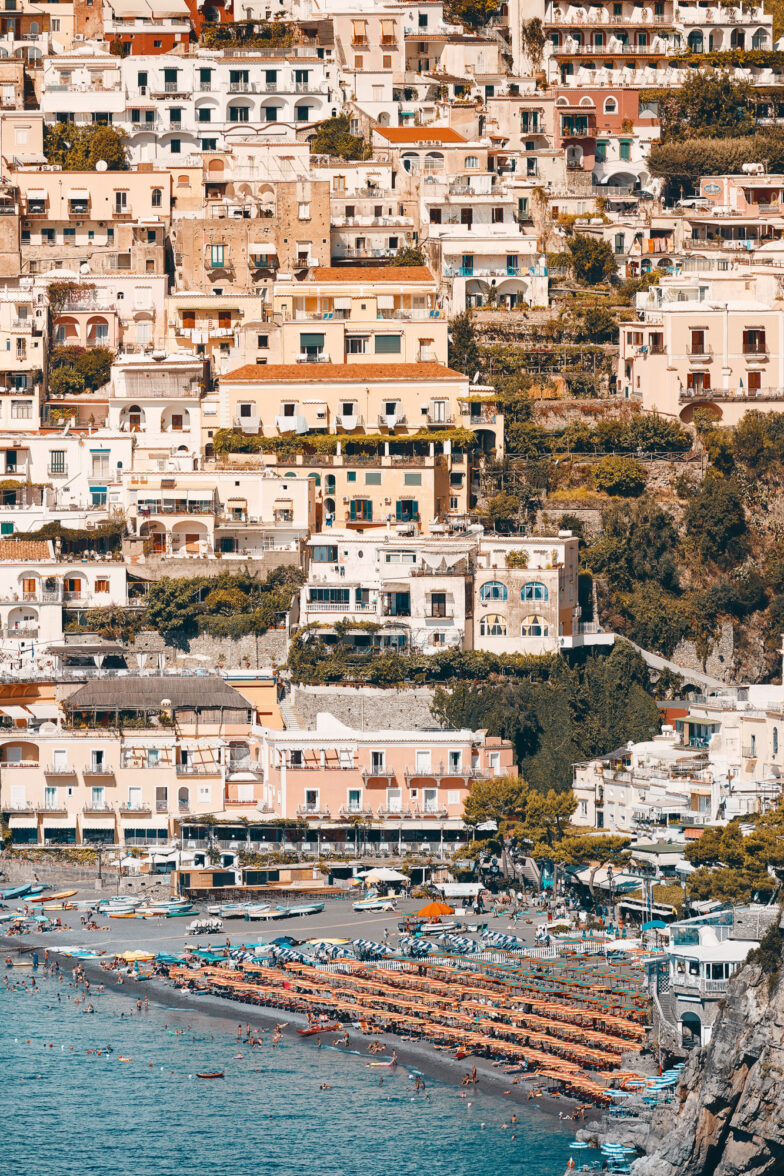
(760,39)
(493,625)
(534,627)
(610,106)
(492,590)
(157,197)
(535,591)
(316,478)
(471,161)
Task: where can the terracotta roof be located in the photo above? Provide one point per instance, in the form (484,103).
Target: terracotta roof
(420,135)
(31,549)
(321,373)
(372,273)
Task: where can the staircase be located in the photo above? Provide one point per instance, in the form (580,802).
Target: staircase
(532,873)
(291,720)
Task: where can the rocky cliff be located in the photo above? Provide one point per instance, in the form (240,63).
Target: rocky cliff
(730,1119)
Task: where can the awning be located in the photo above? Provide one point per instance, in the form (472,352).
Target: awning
(265,247)
(342,303)
(97,822)
(143,820)
(15,712)
(36,194)
(386,302)
(78,194)
(28,821)
(311,340)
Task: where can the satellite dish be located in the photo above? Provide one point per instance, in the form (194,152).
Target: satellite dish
(102,165)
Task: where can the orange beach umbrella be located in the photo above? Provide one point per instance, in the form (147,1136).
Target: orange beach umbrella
(434,909)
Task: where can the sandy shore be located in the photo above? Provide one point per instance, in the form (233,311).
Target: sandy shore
(416,1055)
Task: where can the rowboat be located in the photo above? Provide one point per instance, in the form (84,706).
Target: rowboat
(312,908)
(233,910)
(218,1074)
(275,913)
(34,891)
(179,911)
(374,904)
(124,915)
(313,1029)
(15,892)
(60,896)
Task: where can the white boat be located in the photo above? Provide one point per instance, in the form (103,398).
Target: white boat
(271,913)
(374,904)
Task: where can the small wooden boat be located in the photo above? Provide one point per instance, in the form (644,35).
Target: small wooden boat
(313,1029)
(124,915)
(60,896)
(217,1074)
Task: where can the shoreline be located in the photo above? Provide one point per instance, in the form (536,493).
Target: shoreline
(439,1065)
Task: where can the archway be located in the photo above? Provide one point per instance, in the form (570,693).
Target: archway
(691,1031)
(156,533)
(704,406)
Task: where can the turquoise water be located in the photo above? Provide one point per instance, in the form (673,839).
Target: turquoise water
(64,1111)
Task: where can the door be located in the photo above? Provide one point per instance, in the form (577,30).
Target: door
(394,800)
(161,799)
(430,801)
(423,761)
(245,793)
(134,798)
(59,759)
(467,217)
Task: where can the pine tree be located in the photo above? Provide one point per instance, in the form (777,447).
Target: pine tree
(463,351)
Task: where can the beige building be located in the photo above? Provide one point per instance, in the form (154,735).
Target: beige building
(710,340)
(395,400)
(346,315)
(109,222)
(526,594)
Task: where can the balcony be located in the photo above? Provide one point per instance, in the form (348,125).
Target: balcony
(756,351)
(313,812)
(440,418)
(21,631)
(349,420)
(198,769)
(59,770)
(7,764)
(389,420)
(248,424)
(57,808)
(57,471)
(378,774)
(96,772)
(141,809)
(239,87)
(98,809)
(749,751)
(350,810)
(700,355)
(399,812)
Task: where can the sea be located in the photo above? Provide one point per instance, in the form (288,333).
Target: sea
(66,1109)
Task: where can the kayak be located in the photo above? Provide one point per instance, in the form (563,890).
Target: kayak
(178,914)
(60,896)
(318,1029)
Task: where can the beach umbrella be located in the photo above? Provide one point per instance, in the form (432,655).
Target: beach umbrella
(434,909)
(654,925)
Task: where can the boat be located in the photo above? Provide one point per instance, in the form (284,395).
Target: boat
(217,1074)
(231,910)
(124,915)
(15,892)
(176,914)
(313,1029)
(311,908)
(60,896)
(34,891)
(374,904)
(273,913)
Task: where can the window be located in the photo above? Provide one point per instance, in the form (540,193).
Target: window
(493,625)
(386,61)
(357,345)
(262,341)
(175,116)
(412,479)
(625,150)
(497,217)
(324,554)
(209,144)
(388,345)
(775,741)
(406,510)
(217,256)
(534,627)
(303,212)
(610,106)
(373,478)
(472,161)
(175,146)
(535,591)
(754,342)
(377,761)
(157,197)
(697,344)
(492,590)
(238,114)
(21,410)
(361,510)
(100,465)
(302,113)
(153,757)
(271,113)
(101,585)
(56,461)
(205,114)
(601,151)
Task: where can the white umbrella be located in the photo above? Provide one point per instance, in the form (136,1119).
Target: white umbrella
(382,874)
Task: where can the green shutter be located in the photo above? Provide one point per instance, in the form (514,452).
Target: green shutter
(399,511)
(312,340)
(368,511)
(353,509)
(388,345)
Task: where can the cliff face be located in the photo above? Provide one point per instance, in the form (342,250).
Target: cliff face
(730,1121)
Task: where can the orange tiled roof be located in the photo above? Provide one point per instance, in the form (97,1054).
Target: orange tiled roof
(420,135)
(24,549)
(351,373)
(372,273)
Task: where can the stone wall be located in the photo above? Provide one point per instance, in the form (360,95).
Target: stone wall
(365,708)
(156,566)
(261,653)
(720,661)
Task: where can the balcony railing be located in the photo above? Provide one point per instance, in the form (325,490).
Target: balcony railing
(141,807)
(313,811)
(59,770)
(95,770)
(198,769)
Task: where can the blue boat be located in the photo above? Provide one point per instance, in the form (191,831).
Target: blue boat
(17,891)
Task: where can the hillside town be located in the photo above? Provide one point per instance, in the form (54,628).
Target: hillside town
(391,476)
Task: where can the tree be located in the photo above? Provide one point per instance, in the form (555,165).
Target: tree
(593,260)
(709,104)
(503,508)
(599,325)
(334,137)
(80,148)
(621,477)
(584,849)
(638,542)
(715,521)
(409,255)
(474,13)
(463,351)
(681,163)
